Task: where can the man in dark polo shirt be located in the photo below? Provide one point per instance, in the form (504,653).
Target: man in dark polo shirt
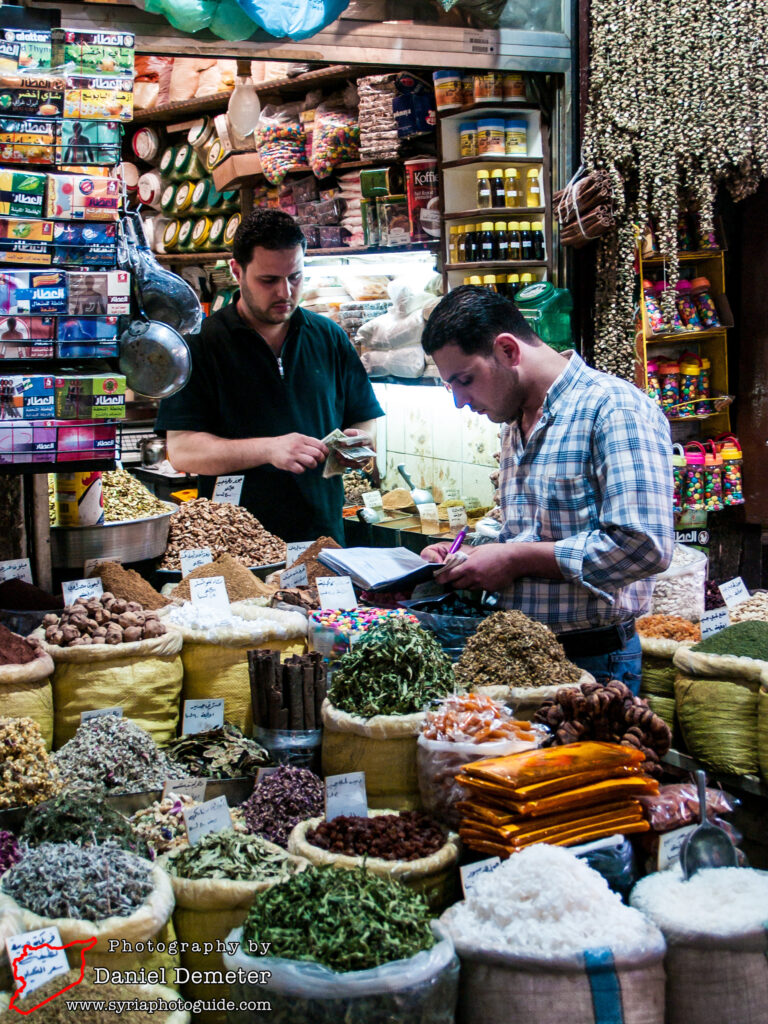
(269,381)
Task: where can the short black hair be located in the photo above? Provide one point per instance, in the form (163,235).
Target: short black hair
(472,317)
(270,229)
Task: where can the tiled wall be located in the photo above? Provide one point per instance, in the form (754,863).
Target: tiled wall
(441,446)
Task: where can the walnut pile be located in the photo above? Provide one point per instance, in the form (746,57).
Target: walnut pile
(102,620)
(609,713)
(223,528)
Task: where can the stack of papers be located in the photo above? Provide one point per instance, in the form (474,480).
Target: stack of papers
(379,568)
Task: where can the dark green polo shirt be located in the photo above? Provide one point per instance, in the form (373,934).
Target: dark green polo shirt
(237,390)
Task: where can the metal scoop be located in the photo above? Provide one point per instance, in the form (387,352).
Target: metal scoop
(708,846)
(421,496)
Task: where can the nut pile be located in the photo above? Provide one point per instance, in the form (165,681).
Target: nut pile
(27,775)
(680,589)
(224,529)
(409,835)
(610,714)
(755,607)
(102,620)
(509,649)
(668,627)
(355,486)
(125,498)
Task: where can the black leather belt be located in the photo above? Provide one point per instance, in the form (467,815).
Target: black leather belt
(583,643)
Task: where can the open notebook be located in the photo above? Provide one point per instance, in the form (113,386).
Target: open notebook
(379,568)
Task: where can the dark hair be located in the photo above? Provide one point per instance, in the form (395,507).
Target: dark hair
(471,317)
(270,229)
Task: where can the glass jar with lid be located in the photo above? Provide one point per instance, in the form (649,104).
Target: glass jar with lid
(483,189)
(533,187)
(185,235)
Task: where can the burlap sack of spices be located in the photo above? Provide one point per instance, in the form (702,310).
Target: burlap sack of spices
(25,692)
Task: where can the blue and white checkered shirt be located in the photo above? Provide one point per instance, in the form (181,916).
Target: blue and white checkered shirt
(595,477)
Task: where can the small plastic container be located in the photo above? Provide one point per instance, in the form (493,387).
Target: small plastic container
(182,201)
(488,87)
(468,139)
(448,94)
(677,324)
(146,144)
(216,154)
(713,478)
(686,308)
(653,390)
(150,189)
(670,387)
(512,193)
(230,230)
(702,300)
(513,85)
(533,187)
(166,164)
(730,453)
(167,199)
(483,190)
(467,89)
(679,479)
(656,320)
(201,137)
(185,236)
(171,235)
(216,237)
(704,406)
(201,233)
(516,137)
(694,476)
(490,136)
(689,388)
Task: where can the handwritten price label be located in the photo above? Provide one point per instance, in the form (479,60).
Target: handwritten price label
(227,489)
(457,516)
(296,576)
(734,591)
(73,589)
(452,493)
(193,558)
(670,844)
(212,816)
(114,712)
(471,872)
(41,962)
(336,592)
(428,512)
(16,569)
(194,787)
(713,621)
(295,550)
(372,499)
(210,592)
(93,563)
(202,715)
(345,794)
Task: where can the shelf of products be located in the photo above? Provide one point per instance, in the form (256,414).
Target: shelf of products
(507,106)
(490,158)
(515,264)
(193,257)
(29,468)
(494,212)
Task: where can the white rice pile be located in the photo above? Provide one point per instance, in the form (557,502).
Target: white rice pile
(545,902)
(717,901)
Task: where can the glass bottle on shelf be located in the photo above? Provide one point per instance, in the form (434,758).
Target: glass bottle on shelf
(525,280)
(483,190)
(501,241)
(489,282)
(533,187)
(513,285)
(486,241)
(453,235)
(513,237)
(526,240)
(497,187)
(512,187)
(472,246)
(461,244)
(537,236)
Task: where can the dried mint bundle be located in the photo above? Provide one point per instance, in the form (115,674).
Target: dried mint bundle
(231,855)
(9,850)
(345,920)
(218,753)
(395,668)
(84,882)
(27,774)
(509,649)
(281,800)
(114,753)
(85,821)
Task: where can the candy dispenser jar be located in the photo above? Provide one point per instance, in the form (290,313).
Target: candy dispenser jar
(679,475)
(670,387)
(730,453)
(702,300)
(704,406)
(654,382)
(713,478)
(656,319)
(677,324)
(686,308)
(689,387)
(694,476)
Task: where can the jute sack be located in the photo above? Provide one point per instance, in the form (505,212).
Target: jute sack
(657,684)
(150,921)
(762,730)
(216,660)
(148,993)
(594,987)
(384,747)
(433,876)
(10,924)
(206,911)
(142,677)
(525,701)
(25,692)
(716,698)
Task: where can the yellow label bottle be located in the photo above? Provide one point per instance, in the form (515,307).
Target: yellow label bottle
(533,188)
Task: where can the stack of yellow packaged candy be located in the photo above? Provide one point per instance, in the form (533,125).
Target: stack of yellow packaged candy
(559,795)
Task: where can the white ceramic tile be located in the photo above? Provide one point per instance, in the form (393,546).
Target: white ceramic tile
(418,429)
(446,429)
(476,483)
(446,474)
(479,437)
(395,418)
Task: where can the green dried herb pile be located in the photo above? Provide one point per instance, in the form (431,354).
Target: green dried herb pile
(509,649)
(345,920)
(395,668)
(231,855)
(743,639)
(218,753)
(87,822)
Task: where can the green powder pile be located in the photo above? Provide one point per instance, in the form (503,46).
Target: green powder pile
(742,639)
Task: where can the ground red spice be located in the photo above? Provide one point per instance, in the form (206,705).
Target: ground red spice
(14,649)
(20,596)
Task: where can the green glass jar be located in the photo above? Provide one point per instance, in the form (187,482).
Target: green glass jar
(185,236)
(216,237)
(186,165)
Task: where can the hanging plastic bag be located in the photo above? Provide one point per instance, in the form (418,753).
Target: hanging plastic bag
(224,18)
(336,136)
(296,19)
(280,141)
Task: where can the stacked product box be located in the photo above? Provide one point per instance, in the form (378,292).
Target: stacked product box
(64,97)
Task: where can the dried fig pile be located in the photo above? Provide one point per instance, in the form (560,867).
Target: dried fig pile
(102,620)
(608,713)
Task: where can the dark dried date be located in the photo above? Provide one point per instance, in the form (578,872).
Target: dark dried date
(406,836)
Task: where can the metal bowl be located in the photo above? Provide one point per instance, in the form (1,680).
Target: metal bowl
(132,540)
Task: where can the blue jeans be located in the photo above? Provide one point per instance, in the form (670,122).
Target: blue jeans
(624,665)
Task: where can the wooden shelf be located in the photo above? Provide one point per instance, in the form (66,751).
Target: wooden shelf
(516,264)
(747,783)
(687,336)
(192,257)
(684,257)
(491,158)
(219,100)
(377,250)
(488,107)
(493,212)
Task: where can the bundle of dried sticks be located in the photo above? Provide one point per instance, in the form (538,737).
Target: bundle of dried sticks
(584,209)
(289,694)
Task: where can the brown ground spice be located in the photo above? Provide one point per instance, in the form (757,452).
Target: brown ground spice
(98,996)
(20,596)
(14,649)
(309,558)
(240,582)
(128,585)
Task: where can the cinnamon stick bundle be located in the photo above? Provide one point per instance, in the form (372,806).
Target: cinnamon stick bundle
(573,204)
(289,694)
(593,224)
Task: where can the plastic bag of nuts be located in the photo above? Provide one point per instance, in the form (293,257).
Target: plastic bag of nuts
(680,589)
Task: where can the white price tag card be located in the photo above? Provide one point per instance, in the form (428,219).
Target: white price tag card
(457,516)
(16,569)
(202,715)
(190,786)
(263,773)
(114,712)
(227,489)
(373,499)
(471,872)
(336,592)
(296,576)
(295,550)
(73,589)
(210,592)
(670,844)
(734,591)
(193,558)
(92,563)
(345,794)
(713,621)
(212,816)
(452,494)
(45,958)
(428,512)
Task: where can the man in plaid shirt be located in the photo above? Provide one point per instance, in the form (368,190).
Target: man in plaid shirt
(586,482)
